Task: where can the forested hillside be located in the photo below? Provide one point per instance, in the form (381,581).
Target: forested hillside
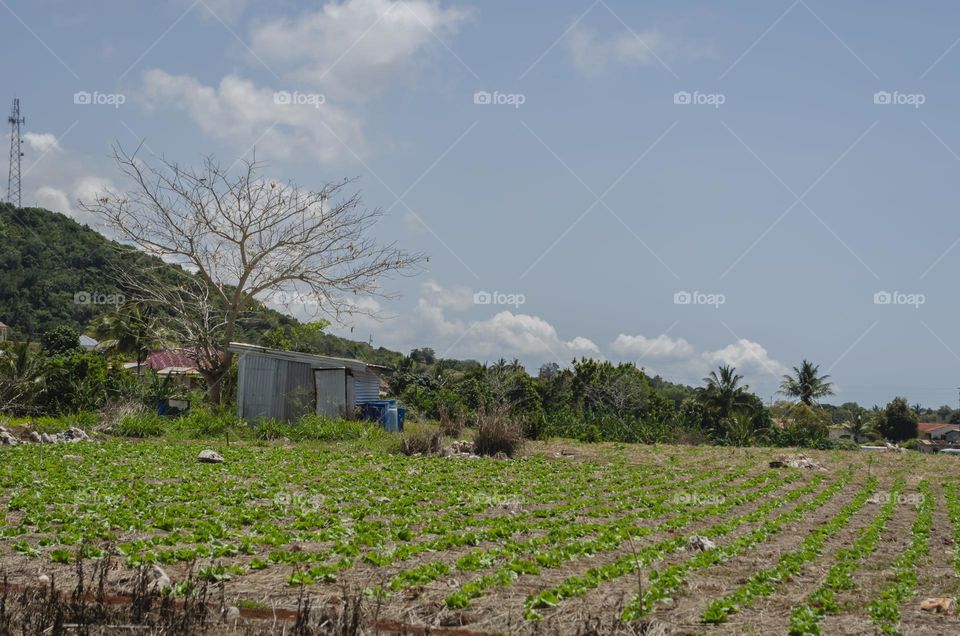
(49,262)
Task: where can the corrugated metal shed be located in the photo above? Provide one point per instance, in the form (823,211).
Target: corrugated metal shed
(283,385)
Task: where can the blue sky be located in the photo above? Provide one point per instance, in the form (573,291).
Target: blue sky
(804,202)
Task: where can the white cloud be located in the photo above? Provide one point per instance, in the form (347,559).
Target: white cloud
(355,48)
(42,142)
(240,113)
(594,53)
(663,346)
(456,298)
(505,334)
(678,360)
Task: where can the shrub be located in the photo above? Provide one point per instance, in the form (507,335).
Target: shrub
(134,425)
(497,433)
(451,424)
(316,428)
(201,423)
(421,440)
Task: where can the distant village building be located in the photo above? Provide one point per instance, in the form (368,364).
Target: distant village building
(936,431)
(88,343)
(3,332)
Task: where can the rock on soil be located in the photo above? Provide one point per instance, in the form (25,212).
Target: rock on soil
(210,457)
(700,544)
(796,461)
(7,438)
(158,578)
(462,449)
(940,605)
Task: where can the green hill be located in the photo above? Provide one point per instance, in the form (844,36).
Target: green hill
(50,264)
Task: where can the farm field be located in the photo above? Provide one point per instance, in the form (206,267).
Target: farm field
(566,539)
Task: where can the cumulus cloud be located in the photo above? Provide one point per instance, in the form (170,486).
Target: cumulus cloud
(42,142)
(57,178)
(356,48)
(593,52)
(678,360)
(508,334)
(237,111)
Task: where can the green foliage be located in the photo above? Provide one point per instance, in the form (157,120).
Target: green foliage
(317,428)
(60,341)
(898,421)
(806,384)
(139,425)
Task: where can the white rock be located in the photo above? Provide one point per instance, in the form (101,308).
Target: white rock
(43,579)
(35,437)
(699,544)
(232,613)
(210,457)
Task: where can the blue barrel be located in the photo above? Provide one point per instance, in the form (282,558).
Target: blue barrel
(392,422)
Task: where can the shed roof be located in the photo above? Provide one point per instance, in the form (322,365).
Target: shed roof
(315,360)
(926,427)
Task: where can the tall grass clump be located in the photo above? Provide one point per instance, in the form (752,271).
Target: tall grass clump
(497,433)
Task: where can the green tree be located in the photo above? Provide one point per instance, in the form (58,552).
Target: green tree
(60,340)
(859,428)
(132,329)
(723,394)
(898,422)
(806,384)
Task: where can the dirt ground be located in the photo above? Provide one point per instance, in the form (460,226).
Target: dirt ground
(263,601)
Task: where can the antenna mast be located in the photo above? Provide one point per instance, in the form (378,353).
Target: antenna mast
(13,176)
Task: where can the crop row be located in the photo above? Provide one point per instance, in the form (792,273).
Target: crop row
(885,609)
(564,529)
(763,582)
(805,619)
(594,577)
(665,582)
(610,537)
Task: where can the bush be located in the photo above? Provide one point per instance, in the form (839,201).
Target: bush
(316,428)
(497,433)
(201,423)
(451,424)
(139,425)
(421,440)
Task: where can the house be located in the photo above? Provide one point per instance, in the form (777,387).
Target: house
(3,332)
(88,343)
(287,384)
(938,431)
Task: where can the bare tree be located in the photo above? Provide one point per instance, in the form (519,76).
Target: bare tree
(245,237)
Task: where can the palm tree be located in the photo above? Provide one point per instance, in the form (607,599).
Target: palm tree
(132,329)
(858,427)
(806,384)
(724,395)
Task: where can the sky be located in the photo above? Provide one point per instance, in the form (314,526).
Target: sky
(675,184)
